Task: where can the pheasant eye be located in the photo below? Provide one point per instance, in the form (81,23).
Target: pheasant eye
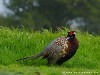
(71,33)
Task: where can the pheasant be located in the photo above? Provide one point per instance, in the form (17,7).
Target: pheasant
(59,50)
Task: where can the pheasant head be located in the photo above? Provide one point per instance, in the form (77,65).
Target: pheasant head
(71,35)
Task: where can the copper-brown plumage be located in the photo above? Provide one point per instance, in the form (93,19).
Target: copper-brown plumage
(59,50)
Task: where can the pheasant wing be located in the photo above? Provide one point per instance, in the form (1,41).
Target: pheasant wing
(56,49)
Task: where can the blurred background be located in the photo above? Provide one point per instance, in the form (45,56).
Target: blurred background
(83,15)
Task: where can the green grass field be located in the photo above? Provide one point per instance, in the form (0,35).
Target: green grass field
(15,44)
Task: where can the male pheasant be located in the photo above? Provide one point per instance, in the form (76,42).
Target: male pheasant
(59,50)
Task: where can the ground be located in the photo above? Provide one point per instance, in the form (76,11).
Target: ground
(15,44)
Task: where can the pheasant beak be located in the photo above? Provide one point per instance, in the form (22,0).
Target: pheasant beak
(74,33)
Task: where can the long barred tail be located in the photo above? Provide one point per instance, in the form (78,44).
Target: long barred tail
(31,57)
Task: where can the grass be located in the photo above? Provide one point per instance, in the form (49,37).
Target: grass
(16,44)
(44,70)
